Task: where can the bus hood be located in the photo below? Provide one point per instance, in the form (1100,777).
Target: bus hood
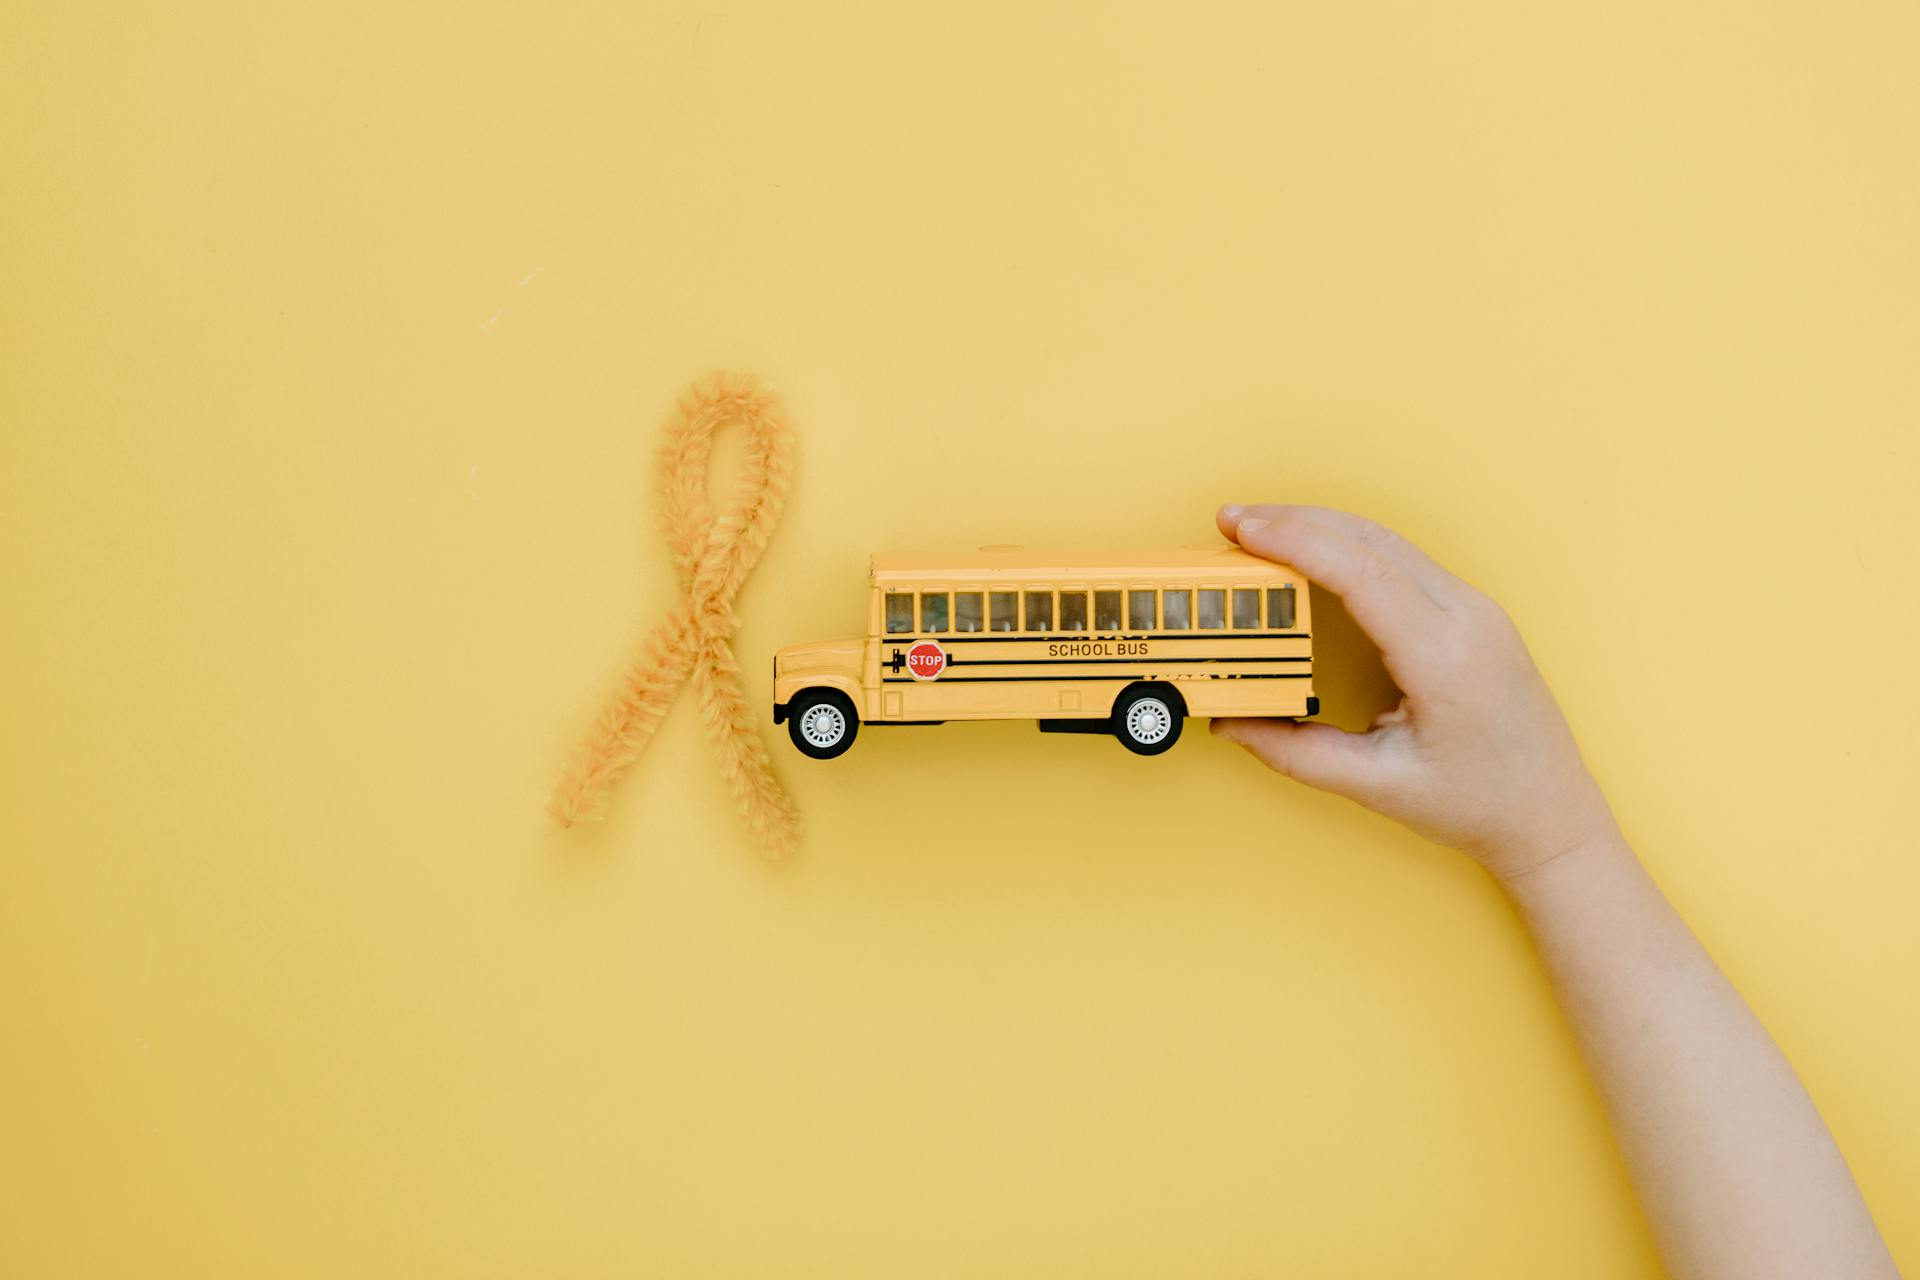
(819,655)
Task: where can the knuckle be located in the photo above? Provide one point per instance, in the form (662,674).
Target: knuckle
(1484,613)
(1501,628)
(1377,536)
(1376,568)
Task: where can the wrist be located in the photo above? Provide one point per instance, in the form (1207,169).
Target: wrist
(1527,865)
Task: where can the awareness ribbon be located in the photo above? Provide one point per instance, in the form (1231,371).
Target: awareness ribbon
(712,555)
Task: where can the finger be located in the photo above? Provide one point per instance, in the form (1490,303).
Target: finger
(1227,518)
(1381,595)
(1442,587)
(1321,755)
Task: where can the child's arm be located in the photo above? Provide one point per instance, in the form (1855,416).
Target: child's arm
(1735,1169)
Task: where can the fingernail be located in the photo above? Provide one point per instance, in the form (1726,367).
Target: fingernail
(1253,524)
(1232,510)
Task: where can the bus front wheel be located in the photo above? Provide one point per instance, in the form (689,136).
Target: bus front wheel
(1147,719)
(822,723)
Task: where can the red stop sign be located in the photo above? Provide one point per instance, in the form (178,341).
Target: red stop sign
(926,660)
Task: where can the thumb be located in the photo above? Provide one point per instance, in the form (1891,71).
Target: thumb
(1320,755)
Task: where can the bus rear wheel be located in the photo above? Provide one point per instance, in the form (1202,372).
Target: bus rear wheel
(1147,719)
(822,723)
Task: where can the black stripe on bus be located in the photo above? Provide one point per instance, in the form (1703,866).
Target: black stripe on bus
(1028,662)
(1251,675)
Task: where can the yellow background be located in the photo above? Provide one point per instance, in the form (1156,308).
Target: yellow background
(336,344)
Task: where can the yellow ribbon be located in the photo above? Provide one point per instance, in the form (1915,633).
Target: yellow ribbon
(712,555)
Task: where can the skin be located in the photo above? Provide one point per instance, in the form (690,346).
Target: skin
(1735,1170)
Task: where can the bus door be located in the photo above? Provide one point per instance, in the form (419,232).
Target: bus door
(915,647)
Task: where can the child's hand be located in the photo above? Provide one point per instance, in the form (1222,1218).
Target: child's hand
(1477,754)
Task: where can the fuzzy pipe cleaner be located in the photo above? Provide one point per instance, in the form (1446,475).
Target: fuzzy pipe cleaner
(712,555)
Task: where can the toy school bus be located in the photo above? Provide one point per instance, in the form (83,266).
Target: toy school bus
(1127,645)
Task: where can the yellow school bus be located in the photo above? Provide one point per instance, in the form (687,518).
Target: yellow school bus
(1128,645)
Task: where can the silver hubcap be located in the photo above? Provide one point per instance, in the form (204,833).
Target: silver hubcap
(823,726)
(1149,721)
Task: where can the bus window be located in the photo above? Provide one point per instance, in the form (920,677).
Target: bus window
(1139,610)
(1073,611)
(1280,608)
(1213,609)
(1002,606)
(933,611)
(1176,610)
(967,614)
(1106,611)
(1039,610)
(1246,609)
(899,612)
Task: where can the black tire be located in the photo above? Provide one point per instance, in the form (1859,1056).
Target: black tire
(812,718)
(1147,719)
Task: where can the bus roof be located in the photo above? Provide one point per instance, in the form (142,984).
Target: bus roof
(1212,561)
